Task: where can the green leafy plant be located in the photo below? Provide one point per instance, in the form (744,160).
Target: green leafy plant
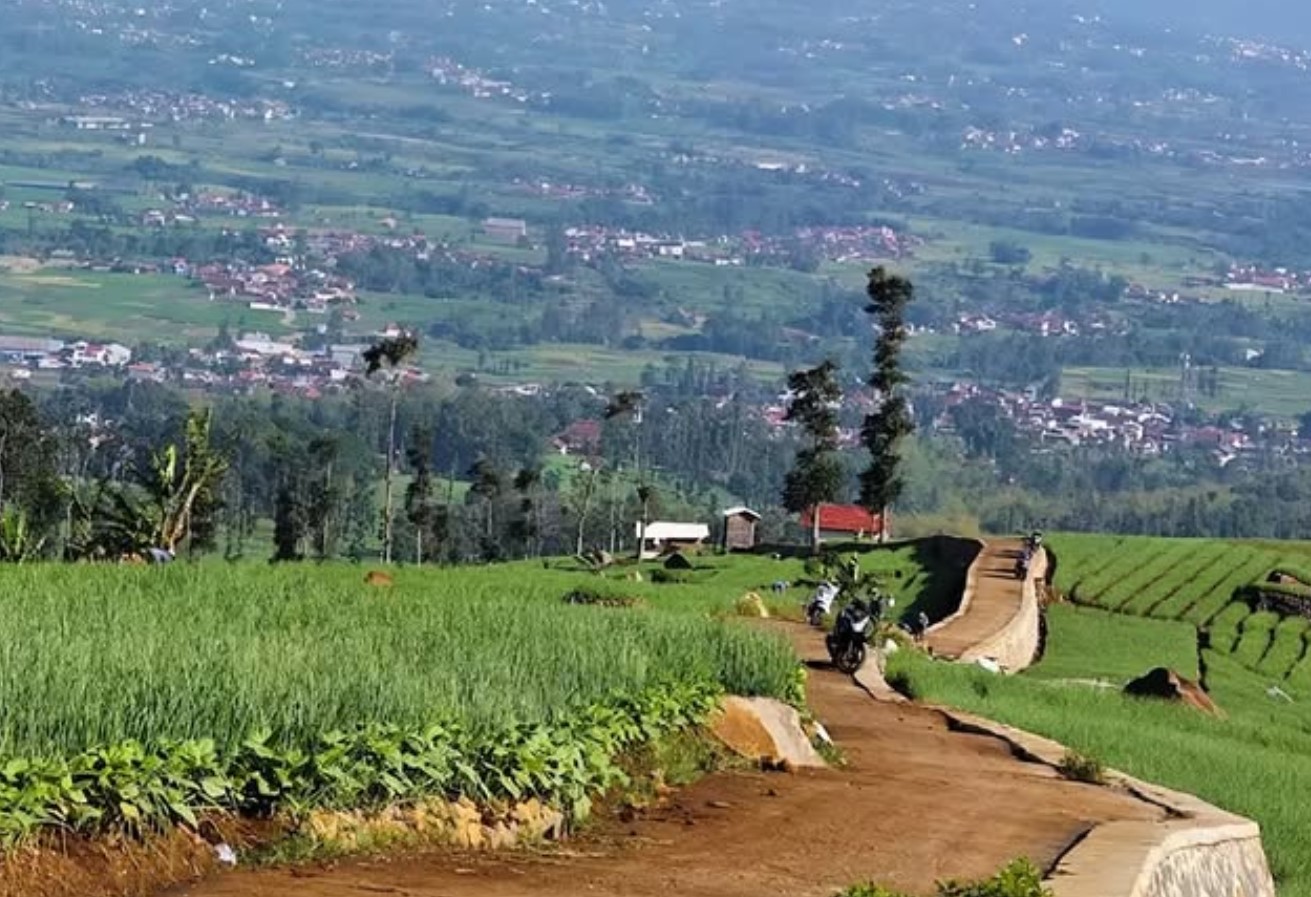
(17,541)
(133,788)
(1020,878)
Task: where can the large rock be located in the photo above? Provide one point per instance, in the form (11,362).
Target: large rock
(764,730)
(1167,685)
(678,561)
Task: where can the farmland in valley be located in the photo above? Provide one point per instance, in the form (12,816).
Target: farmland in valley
(1140,603)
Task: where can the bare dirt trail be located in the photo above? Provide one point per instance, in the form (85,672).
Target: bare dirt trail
(915,803)
(996,600)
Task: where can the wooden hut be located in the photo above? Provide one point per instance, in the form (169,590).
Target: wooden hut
(740,529)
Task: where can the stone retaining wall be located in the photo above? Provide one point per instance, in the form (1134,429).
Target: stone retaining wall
(1015,647)
(966,552)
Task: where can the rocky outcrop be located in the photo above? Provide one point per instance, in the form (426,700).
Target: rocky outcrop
(1167,685)
(460,823)
(766,731)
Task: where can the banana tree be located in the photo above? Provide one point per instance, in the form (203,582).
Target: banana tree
(179,484)
(17,541)
(158,510)
(391,353)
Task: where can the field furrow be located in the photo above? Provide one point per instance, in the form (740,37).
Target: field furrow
(1287,647)
(1182,567)
(1256,635)
(1205,609)
(1226,627)
(1189,592)
(1206,572)
(1142,571)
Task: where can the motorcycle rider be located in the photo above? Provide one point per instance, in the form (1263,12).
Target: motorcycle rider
(821,603)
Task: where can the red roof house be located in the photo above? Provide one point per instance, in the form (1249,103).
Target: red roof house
(582,437)
(844,522)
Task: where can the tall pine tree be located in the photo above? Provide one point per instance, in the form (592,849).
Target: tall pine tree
(884,429)
(816,477)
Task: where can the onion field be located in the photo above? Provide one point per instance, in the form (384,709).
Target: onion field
(135,699)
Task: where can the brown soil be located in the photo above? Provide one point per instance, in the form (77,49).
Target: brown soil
(996,601)
(68,866)
(915,803)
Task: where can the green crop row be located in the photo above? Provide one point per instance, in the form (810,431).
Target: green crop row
(1207,583)
(1144,574)
(1288,647)
(133,787)
(1212,579)
(1255,636)
(1194,562)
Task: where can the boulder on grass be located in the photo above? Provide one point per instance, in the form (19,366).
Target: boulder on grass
(1167,685)
(678,561)
(766,731)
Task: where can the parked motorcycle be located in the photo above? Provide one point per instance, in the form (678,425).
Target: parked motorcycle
(846,643)
(821,603)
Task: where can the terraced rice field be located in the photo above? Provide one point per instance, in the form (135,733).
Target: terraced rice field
(1193,581)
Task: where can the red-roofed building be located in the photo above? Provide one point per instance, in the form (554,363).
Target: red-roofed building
(582,437)
(844,522)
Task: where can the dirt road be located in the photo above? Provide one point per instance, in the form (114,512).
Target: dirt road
(996,600)
(914,804)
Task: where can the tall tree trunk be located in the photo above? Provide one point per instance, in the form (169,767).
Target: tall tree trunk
(387,478)
(613,523)
(418,545)
(814,529)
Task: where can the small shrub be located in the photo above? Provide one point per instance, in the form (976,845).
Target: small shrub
(871,891)
(593,598)
(1082,768)
(1020,878)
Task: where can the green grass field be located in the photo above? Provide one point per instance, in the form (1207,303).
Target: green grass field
(1143,600)
(1275,392)
(123,307)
